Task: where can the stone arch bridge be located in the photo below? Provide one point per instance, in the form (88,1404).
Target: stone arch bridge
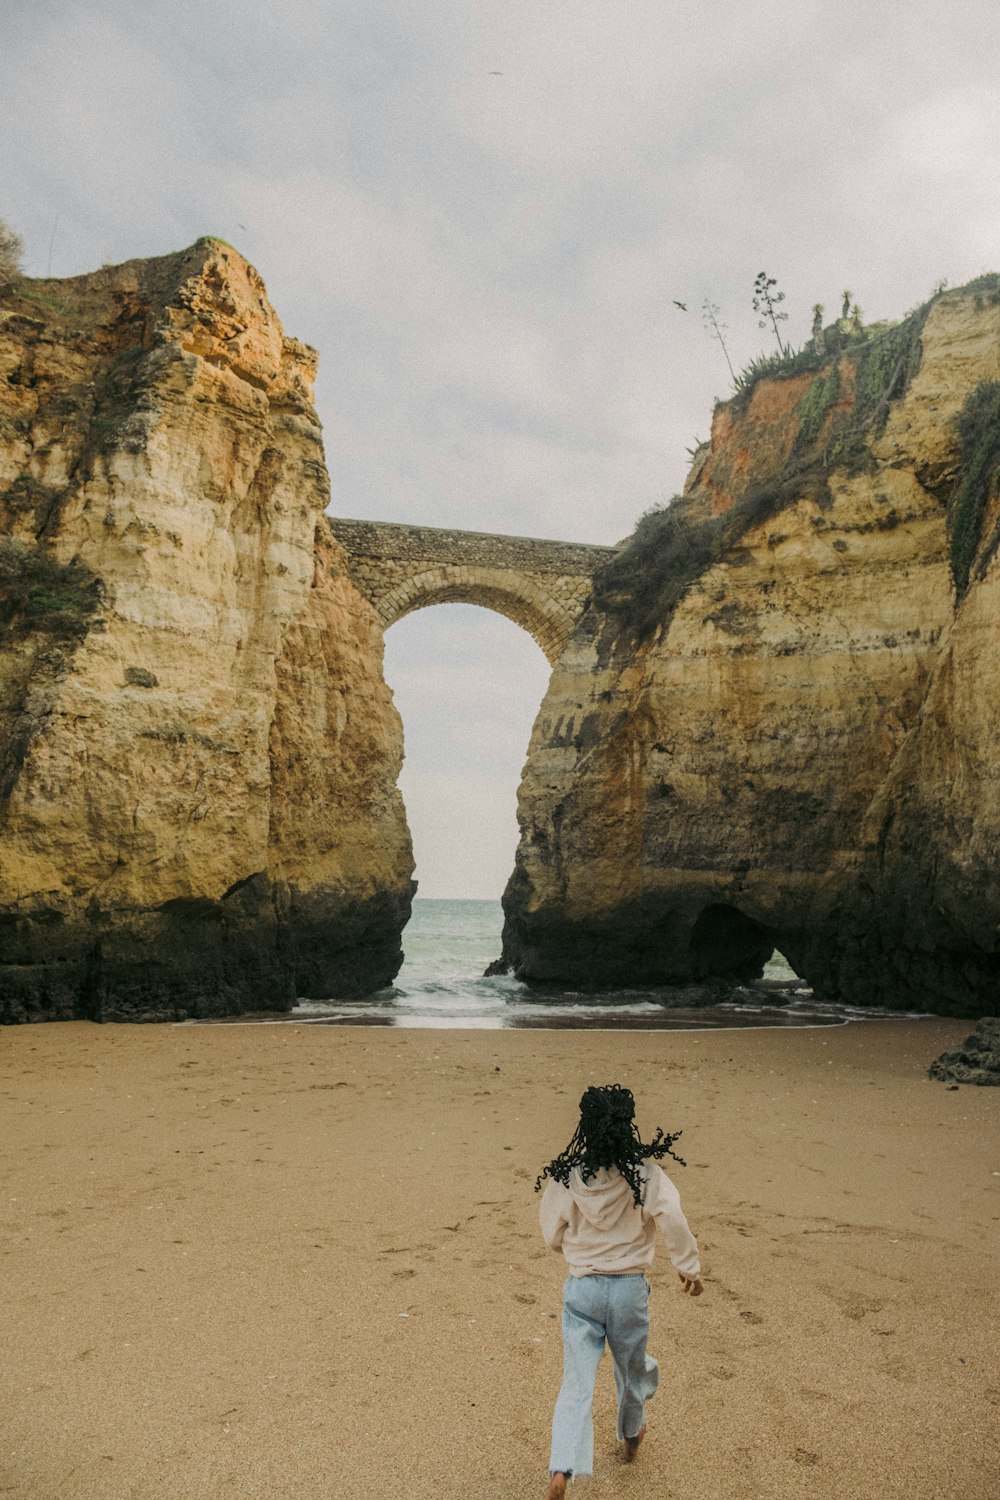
(540,585)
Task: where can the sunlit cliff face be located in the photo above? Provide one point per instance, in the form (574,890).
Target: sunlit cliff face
(797,751)
(199,751)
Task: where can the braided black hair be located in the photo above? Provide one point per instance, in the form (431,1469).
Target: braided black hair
(607,1137)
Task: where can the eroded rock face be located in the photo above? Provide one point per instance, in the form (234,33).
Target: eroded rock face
(198,753)
(802,752)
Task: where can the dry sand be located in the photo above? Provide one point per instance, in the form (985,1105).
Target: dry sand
(303,1261)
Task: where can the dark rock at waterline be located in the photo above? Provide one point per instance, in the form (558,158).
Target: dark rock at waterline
(773,993)
(977,1060)
(342,948)
(650,942)
(720,992)
(257,947)
(892,962)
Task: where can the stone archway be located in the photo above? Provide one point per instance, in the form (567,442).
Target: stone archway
(540,585)
(518,598)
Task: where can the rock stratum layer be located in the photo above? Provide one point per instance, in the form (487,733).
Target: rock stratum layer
(198,752)
(776,725)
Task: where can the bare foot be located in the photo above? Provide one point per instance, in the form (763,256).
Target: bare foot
(630,1447)
(557,1487)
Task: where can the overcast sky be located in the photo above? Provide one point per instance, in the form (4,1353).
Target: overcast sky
(481,212)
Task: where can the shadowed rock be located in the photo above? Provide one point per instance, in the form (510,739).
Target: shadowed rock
(977,1060)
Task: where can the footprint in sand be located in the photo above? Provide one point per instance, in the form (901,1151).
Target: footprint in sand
(856,1310)
(853,1307)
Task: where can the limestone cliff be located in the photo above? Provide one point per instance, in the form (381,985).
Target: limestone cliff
(198,753)
(776,723)
(773,725)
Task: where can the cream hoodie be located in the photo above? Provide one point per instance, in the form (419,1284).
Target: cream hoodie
(600,1229)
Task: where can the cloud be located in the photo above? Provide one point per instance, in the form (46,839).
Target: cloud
(953,136)
(590,90)
(110,138)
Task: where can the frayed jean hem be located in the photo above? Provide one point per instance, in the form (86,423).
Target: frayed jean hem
(599,1310)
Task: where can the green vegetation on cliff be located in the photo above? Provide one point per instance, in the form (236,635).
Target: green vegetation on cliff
(818,400)
(45,611)
(39,595)
(859,373)
(838,338)
(979,436)
(885,365)
(671,547)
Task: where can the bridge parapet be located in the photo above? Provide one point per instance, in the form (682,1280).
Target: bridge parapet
(541,585)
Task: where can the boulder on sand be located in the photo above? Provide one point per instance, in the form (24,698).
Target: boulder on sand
(977,1060)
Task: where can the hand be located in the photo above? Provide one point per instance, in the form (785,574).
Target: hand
(692,1284)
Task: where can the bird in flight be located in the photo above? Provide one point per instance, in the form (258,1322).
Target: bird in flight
(682,305)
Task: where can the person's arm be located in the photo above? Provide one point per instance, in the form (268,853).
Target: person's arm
(663,1203)
(552,1215)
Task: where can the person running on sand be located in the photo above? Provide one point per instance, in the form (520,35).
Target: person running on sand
(605,1198)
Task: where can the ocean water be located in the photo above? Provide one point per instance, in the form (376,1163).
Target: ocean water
(448,945)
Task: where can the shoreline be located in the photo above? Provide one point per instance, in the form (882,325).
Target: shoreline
(402,1024)
(574,1015)
(234,1253)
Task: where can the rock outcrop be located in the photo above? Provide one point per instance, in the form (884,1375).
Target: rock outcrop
(775,726)
(198,752)
(977,1060)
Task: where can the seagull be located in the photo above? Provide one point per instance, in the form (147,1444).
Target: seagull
(682,305)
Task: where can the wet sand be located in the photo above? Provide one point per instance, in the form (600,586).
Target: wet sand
(304,1261)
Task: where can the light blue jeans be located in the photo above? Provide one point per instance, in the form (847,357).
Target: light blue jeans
(595,1309)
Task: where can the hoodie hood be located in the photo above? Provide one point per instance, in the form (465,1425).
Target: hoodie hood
(603,1199)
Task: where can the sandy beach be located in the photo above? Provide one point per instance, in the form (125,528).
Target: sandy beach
(303,1261)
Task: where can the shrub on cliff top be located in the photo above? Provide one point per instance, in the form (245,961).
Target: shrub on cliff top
(644,582)
(985,289)
(671,547)
(888,356)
